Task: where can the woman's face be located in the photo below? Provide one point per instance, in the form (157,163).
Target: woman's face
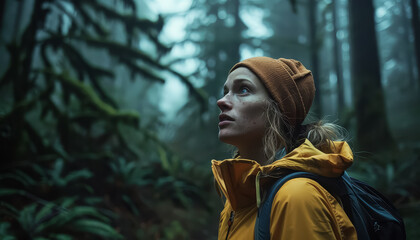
(241,121)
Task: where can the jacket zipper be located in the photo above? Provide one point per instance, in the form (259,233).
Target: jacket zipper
(230,222)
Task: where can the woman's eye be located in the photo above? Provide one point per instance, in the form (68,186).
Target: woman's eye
(244,90)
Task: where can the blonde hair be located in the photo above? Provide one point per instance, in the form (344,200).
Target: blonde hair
(280,134)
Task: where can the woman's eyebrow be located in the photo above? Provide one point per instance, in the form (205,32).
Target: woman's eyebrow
(241,80)
(236,82)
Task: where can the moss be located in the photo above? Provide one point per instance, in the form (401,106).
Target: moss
(87,95)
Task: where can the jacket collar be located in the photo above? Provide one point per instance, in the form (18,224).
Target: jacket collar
(236,177)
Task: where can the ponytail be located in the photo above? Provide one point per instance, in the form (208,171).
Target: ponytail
(321,133)
(280,134)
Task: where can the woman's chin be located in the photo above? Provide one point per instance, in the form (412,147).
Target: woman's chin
(228,138)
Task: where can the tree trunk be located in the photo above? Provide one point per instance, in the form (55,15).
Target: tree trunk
(2,7)
(337,60)
(372,126)
(229,39)
(416,30)
(237,30)
(407,48)
(312,7)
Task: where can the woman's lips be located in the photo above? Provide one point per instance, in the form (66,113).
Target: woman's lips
(225,119)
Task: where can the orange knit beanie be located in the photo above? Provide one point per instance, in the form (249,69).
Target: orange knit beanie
(290,84)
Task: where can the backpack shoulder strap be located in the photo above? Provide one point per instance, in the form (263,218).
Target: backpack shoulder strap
(262,224)
(338,187)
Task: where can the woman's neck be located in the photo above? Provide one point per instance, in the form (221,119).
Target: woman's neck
(253,153)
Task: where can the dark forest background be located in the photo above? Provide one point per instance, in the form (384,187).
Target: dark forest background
(108,117)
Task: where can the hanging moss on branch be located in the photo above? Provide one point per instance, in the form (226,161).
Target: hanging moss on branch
(87,95)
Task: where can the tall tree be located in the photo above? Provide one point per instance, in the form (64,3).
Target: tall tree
(415,22)
(2,6)
(372,126)
(337,57)
(220,28)
(405,24)
(314,46)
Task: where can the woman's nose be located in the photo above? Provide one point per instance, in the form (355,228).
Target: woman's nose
(224,103)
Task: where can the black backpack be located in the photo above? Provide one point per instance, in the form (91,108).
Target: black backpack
(373,216)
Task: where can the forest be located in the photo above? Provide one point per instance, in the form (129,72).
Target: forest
(108,115)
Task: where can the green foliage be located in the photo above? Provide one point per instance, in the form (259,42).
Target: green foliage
(54,176)
(411,215)
(129,173)
(175,231)
(42,218)
(392,173)
(4,231)
(78,166)
(39,221)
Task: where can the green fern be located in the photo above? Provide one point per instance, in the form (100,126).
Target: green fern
(52,218)
(5,234)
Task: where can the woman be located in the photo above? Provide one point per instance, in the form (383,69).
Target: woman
(264,104)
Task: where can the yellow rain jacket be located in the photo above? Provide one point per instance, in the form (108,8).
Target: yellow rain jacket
(302,208)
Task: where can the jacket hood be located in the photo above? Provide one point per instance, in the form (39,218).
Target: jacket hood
(236,177)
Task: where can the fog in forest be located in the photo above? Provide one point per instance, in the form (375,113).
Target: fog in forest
(108,115)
